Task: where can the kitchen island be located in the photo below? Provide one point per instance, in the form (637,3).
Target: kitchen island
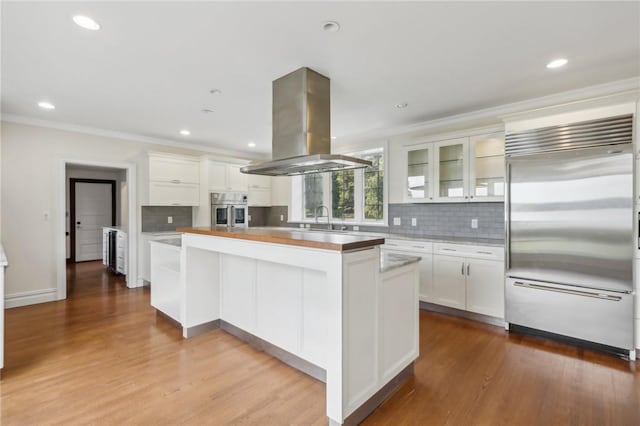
(318,301)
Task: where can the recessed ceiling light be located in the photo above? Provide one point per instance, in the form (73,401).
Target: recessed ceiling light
(215,91)
(557,63)
(331,26)
(251,144)
(206,110)
(46,105)
(185,132)
(402,105)
(86,22)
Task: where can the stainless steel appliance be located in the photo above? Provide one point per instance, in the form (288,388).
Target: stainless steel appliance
(570,239)
(301,141)
(229,209)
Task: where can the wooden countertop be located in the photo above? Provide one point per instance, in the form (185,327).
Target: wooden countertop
(293,237)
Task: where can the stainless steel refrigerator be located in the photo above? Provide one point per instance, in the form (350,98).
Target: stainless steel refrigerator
(570,240)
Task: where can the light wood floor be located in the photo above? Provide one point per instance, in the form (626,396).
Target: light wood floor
(101,357)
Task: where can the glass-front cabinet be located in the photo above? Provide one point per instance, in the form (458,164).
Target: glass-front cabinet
(456,170)
(486,171)
(452,170)
(419,185)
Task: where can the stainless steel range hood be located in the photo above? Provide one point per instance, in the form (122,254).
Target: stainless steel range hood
(301,140)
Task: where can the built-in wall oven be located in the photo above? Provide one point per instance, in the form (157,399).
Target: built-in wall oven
(229,209)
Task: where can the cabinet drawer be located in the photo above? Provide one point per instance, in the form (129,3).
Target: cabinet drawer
(409,245)
(471,251)
(173,194)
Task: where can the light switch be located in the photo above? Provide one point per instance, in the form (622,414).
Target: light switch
(414,221)
(281,217)
(474,223)
(397,221)
(249,217)
(169,219)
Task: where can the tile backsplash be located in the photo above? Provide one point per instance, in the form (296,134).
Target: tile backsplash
(451,219)
(154,218)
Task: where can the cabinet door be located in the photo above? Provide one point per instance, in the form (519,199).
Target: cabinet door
(237,181)
(486,167)
(485,287)
(449,281)
(419,173)
(173,194)
(451,170)
(259,181)
(217,176)
(426,272)
(176,170)
(259,197)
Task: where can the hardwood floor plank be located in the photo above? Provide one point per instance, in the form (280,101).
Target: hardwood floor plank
(103,357)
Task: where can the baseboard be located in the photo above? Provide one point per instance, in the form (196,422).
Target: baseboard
(462,314)
(30,297)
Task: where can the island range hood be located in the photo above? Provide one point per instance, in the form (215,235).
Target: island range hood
(301,142)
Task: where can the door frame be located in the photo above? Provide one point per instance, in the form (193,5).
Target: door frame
(72,208)
(60,239)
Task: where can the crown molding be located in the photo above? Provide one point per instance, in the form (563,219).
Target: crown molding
(494,115)
(21,119)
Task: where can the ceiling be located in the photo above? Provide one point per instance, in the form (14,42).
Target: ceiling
(150,68)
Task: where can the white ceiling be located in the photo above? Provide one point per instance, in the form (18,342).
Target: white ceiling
(149,70)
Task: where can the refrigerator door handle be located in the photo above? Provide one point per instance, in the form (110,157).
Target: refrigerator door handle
(568,291)
(507,218)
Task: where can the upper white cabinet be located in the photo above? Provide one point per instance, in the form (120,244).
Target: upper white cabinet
(259,190)
(455,170)
(451,163)
(173,180)
(486,167)
(227,177)
(419,180)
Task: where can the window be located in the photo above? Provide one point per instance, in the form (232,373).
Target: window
(352,196)
(312,193)
(374,187)
(343,194)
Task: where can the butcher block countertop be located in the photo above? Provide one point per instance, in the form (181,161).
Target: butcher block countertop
(292,237)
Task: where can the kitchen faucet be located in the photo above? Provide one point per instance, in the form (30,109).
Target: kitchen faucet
(321,207)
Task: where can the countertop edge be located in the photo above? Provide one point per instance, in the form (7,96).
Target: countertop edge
(322,245)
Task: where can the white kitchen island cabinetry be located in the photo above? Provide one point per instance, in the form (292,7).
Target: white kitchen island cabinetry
(166,290)
(469,277)
(3,265)
(321,298)
(172,180)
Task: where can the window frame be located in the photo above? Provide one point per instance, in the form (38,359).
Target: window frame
(297,209)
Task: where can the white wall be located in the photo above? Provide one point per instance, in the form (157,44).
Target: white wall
(30,160)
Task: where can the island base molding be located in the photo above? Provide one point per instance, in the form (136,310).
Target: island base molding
(276,352)
(378,398)
(426,306)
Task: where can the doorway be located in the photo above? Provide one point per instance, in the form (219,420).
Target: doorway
(92,206)
(104,195)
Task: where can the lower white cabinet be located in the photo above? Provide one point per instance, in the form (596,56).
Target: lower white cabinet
(425,251)
(469,278)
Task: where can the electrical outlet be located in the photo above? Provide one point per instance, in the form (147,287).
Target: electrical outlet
(474,223)
(397,221)
(302,225)
(307,226)
(414,221)
(169,219)
(281,218)
(356,228)
(249,218)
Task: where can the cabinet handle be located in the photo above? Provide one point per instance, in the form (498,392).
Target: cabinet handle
(431,198)
(448,249)
(468,268)
(484,252)
(175,181)
(462,270)
(466,197)
(472,196)
(418,247)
